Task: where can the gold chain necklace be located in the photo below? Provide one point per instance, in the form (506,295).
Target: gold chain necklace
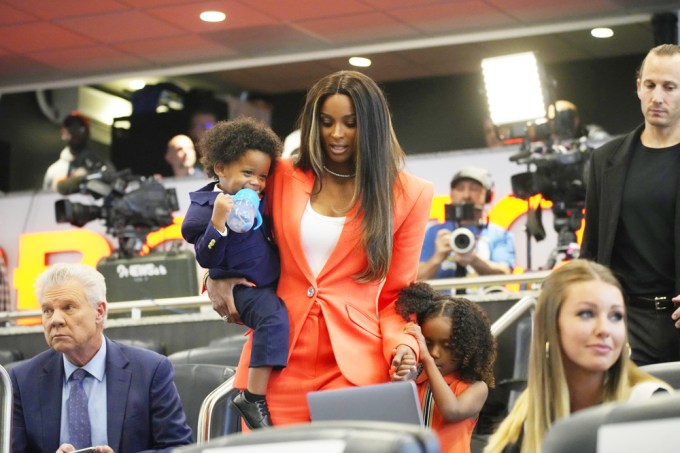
(339,175)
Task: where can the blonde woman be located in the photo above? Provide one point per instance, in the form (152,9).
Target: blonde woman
(579,356)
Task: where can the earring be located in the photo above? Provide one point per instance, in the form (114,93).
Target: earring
(630,350)
(547,350)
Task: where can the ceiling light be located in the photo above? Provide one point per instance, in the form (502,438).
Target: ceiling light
(213,16)
(602,32)
(136,84)
(360,62)
(513,88)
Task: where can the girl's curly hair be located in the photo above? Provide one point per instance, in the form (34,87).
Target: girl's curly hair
(471,338)
(227,141)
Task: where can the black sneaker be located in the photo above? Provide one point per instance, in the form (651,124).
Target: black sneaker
(256,415)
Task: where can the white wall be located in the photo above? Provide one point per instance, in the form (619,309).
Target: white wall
(25,212)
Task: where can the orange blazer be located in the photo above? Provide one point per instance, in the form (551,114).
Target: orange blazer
(363,325)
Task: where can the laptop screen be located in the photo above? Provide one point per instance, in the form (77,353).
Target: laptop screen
(391,402)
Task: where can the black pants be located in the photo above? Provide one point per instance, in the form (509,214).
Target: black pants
(652,335)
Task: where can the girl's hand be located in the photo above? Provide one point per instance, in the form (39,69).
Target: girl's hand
(403,364)
(413,329)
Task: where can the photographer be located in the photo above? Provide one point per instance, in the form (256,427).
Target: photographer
(493,251)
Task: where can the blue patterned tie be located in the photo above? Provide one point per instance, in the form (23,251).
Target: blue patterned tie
(78,416)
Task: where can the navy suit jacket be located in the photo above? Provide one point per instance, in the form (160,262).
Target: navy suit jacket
(251,255)
(144,412)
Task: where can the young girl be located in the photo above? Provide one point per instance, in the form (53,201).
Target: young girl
(457,352)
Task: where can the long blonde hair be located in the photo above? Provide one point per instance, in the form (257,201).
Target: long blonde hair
(546,398)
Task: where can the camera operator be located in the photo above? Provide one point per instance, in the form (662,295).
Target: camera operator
(633,211)
(493,251)
(75,159)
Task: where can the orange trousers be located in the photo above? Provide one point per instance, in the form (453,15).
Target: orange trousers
(311,366)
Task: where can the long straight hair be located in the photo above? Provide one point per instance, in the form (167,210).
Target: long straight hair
(378,160)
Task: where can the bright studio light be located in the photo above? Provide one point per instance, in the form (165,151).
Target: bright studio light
(513,88)
(360,62)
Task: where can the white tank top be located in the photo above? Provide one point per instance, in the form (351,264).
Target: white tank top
(319,235)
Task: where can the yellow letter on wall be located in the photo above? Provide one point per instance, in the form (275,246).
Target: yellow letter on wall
(34,249)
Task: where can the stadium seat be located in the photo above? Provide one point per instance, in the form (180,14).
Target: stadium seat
(668,371)
(10,355)
(580,432)
(337,436)
(194,382)
(226,351)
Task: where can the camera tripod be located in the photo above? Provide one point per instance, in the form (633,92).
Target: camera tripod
(567,222)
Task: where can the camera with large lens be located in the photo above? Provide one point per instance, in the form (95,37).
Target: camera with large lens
(131,206)
(462,240)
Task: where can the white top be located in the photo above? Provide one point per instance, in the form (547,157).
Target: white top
(319,235)
(58,170)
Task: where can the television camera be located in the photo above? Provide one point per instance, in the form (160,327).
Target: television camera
(557,169)
(131,206)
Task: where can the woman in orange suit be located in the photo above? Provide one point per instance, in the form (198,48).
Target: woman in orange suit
(349,224)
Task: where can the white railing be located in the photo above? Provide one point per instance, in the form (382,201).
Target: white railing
(136,307)
(515,312)
(207,410)
(7,409)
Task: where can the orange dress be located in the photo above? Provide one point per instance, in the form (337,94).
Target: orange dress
(453,437)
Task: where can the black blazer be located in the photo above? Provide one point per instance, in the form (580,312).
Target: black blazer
(607,171)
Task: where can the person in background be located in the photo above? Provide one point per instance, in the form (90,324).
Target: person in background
(181,156)
(201,119)
(457,354)
(5,285)
(579,356)
(494,250)
(633,211)
(240,155)
(75,159)
(87,390)
(349,223)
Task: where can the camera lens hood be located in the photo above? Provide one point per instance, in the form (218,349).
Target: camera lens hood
(462,240)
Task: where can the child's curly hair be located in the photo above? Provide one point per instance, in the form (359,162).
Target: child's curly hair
(227,141)
(471,336)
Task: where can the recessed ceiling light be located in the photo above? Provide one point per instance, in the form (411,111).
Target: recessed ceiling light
(360,62)
(213,16)
(136,84)
(602,32)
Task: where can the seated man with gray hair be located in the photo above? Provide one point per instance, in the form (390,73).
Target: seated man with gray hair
(87,390)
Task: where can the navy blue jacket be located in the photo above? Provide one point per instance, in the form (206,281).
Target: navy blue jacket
(251,255)
(144,412)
